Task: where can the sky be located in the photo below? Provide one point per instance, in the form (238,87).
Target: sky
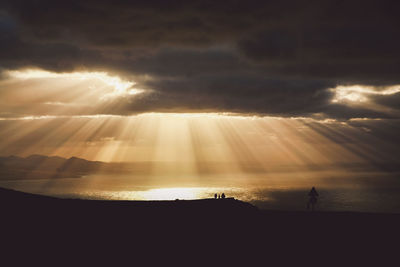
(246,86)
(308,58)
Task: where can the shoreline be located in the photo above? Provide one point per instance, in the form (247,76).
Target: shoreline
(11,194)
(61,229)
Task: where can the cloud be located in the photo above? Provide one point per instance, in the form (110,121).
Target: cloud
(264,57)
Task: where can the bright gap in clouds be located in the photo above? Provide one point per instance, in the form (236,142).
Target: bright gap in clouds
(120,87)
(360,93)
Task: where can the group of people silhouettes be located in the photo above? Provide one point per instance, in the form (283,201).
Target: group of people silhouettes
(219,196)
(313,195)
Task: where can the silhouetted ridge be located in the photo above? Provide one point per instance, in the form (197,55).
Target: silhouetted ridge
(44,167)
(200,227)
(197,207)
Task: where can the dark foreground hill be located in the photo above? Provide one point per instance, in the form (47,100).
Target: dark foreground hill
(206,232)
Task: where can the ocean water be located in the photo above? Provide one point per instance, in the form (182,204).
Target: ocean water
(361,194)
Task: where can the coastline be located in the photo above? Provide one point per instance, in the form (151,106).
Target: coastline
(41,224)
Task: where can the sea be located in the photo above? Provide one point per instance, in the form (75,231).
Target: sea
(368,192)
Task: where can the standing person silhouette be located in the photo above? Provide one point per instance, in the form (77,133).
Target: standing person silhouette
(223,196)
(215,196)
(313,194)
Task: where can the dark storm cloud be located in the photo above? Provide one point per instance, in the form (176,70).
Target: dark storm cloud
(392,101)
(233,93)
(269,57)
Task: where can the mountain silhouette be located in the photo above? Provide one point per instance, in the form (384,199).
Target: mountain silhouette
(43,167)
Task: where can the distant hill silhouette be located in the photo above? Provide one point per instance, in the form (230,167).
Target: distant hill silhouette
(48,167)
(44,167)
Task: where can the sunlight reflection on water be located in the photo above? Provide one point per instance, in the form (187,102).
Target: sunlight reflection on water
(276,197)
(172,193)
(163,194)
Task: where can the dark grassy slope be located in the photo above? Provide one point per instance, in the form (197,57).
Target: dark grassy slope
(233,231)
